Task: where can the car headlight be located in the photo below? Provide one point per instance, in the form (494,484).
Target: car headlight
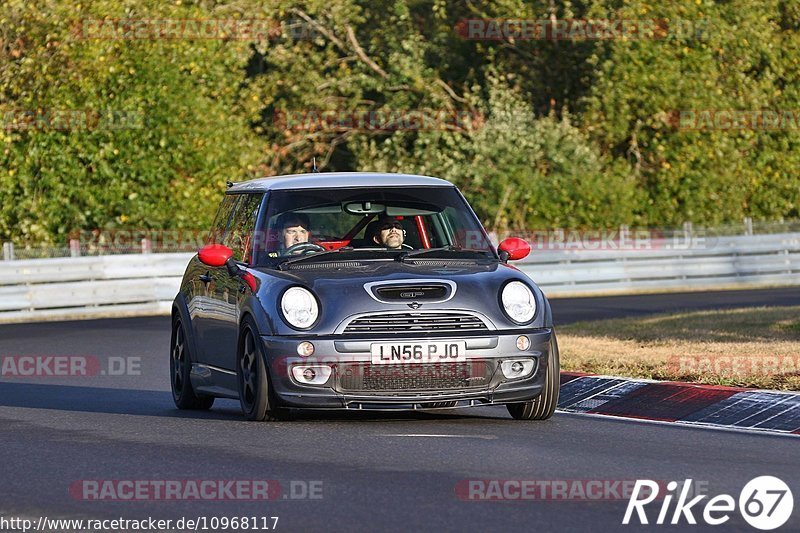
(299,307)
(519,302)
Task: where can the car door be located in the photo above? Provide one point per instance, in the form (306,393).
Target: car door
(204,280)
(222,314)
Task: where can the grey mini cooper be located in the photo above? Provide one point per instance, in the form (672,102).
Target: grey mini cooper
(359,291)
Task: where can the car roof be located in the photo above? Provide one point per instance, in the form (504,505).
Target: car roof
(324,180)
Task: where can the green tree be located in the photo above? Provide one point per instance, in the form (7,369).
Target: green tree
(727,56)
(185,137)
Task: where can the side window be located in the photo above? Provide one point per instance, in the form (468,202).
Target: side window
(221,220)
(240,232)
(452,223)
(437,232)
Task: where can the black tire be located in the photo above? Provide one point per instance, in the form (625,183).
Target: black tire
(179,369)
(255,393)
(543,406)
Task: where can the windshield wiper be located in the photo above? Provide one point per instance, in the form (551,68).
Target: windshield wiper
(313,256)
(405,255)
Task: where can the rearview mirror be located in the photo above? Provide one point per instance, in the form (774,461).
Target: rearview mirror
(364,208)
(514,249)
(214,255)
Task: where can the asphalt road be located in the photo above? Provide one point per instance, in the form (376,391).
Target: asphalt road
(369,472)
(568,310)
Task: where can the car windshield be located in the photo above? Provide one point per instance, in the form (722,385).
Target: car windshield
(370,223)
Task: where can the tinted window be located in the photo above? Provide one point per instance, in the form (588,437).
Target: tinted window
(220,224)
(240,230)
(429,217)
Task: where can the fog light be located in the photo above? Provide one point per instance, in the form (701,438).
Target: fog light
(305,349)
(523,343)
(312,375)
(517,368)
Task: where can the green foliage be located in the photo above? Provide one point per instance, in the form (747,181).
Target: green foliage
(519,171)
(579,133)
(185,135)
(737,57)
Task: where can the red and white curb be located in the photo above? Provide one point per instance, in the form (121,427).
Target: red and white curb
(682,403)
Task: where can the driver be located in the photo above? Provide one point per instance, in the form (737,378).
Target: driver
(294,229)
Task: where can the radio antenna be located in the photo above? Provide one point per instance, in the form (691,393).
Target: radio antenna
(314,168)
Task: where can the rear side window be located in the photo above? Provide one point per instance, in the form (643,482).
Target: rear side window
(242,225)
(221,220)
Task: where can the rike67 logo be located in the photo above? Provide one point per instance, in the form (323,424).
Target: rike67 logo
(765,503)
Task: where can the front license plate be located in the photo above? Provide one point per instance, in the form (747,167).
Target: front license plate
(388,353)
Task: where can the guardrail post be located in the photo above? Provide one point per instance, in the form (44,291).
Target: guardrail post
(788,261)
(147,246)
(688,231)
(8,251)
(74,248)
(748,226)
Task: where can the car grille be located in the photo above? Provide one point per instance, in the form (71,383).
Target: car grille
(398,322)
(367,378)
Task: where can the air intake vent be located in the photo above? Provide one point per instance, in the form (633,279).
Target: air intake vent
(412,290)
(443,262)
(412,293)
(324,265)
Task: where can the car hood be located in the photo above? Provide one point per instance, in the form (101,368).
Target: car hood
(342,291)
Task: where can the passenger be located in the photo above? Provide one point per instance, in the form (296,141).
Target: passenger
(388,231)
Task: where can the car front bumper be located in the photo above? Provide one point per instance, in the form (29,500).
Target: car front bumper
(356,383)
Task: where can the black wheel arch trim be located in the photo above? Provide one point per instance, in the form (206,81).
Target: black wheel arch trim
(252,307)
(547,318)
(179,306)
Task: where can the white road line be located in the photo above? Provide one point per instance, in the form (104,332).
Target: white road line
(433,435)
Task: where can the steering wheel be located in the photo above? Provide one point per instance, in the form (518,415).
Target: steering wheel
(302,248)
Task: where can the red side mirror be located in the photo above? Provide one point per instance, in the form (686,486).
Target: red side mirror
(515,248)
(215,255)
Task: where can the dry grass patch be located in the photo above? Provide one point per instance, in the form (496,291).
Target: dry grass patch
(753,347)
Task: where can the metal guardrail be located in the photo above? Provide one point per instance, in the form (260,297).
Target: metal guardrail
(85,287)
(713,262)
(113,285)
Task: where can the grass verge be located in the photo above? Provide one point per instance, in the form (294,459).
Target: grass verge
(753,347)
